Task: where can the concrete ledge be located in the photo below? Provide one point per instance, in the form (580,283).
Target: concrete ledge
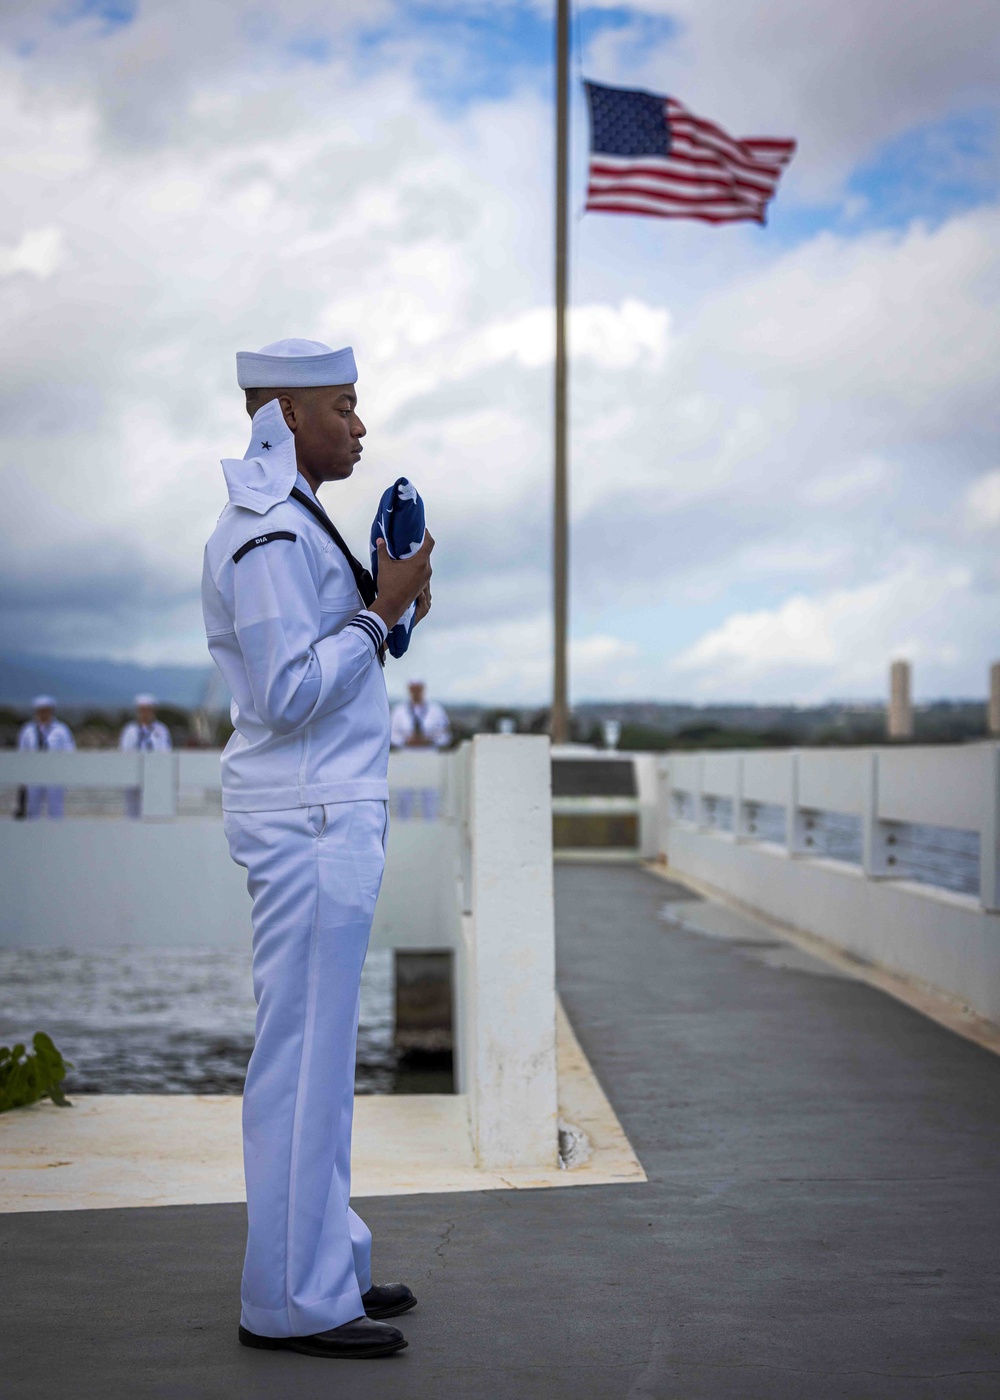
(110,1151)
(941,940)
(598,855)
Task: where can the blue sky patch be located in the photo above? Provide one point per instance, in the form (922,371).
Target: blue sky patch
(487,53)
(113,13)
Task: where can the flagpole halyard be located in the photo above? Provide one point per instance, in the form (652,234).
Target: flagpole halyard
(560,536)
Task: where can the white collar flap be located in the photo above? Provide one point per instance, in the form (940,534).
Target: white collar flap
(266,473)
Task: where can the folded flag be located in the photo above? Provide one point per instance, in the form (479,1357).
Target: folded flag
(400,522)
(650,155)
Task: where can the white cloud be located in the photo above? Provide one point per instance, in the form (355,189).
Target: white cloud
(842,76)
(39,252)
(982,502)
(805,430)
(609,337)
(841,642)
(853,482)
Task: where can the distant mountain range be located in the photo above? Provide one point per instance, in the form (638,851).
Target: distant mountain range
(80,685)
(75,683)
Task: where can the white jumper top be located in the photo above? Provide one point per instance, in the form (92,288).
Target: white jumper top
(431,718)
(287,628)
(54,736)
(145,738)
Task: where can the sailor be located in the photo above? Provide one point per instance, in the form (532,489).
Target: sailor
(419,723)
(44,733)
(144,734)
(295,627)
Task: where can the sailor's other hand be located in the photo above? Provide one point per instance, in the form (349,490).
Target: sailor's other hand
(401,581)
(423,605)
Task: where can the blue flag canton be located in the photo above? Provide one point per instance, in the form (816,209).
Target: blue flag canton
(627,122)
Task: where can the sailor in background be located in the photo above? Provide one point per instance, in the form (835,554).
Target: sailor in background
(44,733)
(419,723)
(144,734)
(297,631)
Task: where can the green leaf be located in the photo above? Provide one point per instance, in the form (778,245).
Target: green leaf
(28,1076)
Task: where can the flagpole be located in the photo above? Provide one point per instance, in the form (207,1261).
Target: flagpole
(560,536)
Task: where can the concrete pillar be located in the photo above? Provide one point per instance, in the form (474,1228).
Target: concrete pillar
(993,717)
(740,831)
(158,792)
(700,805)
(878,838)
(795,830)
(647,789)
(509,977)
(900,703)
(989,838)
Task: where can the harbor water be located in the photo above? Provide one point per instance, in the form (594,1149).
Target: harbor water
(177,1021)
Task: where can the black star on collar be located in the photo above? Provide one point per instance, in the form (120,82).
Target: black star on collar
(266,446)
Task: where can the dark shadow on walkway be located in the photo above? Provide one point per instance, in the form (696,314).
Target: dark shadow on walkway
(821,1218)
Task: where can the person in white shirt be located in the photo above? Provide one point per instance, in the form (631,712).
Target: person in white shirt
(296,628)
(419,723)
(144,734)
(44,733)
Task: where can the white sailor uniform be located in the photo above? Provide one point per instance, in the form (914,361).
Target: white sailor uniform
(429,718)
(54,737)
(305,794)
(431,721)
(142,738)
(145,738)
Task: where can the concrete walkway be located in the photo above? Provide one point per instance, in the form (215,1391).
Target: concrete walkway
(117,1150)
(821,1216)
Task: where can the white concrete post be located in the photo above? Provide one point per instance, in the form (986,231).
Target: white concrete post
(900,724)
(989,838)
(993,715)
(664,803)
(740,832)
(158,792)
(647,790)
(700,812)
(459,812)
(511,1067)
(878,838)
(795,831)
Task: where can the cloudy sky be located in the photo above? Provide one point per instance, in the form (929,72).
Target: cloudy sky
(784,449)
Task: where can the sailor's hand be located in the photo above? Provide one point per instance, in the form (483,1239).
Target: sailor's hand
(423,604)
(401,581)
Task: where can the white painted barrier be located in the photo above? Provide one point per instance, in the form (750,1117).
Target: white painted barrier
(948,941)
(508,953)
(478,881)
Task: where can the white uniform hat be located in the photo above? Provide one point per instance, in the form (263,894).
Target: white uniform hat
(145,699)
(43,702)
(295,364)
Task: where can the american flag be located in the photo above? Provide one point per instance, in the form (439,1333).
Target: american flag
(650,155)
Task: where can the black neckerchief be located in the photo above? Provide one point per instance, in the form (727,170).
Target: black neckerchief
(363,579)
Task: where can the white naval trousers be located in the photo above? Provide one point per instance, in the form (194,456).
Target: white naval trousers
(48,798)
(314,875)
(408,798)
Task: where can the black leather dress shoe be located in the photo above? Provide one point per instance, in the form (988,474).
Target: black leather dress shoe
(355,1340)
(388,1300)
